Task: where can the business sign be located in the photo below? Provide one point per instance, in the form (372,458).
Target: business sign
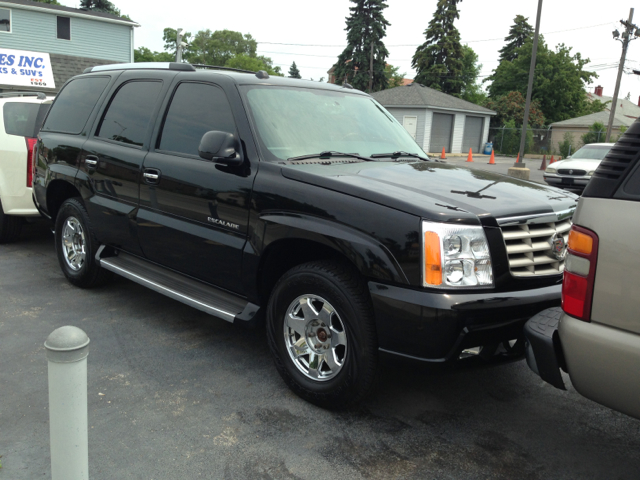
(25,69)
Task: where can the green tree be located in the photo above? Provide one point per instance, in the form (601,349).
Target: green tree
(510,107)
(394,79)
(143,54)
(170,37)
(519,32)
(101,6)
(217,48)
(438,61)
(558,85)
(366,26)
(253,64)
(471,89)
(294,72)
(595,134)
(49,2)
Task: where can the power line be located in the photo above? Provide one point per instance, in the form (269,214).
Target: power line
(417,45)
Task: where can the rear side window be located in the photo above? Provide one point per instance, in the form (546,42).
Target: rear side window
(195,109)
(127,117)
(23,119)
(71,110)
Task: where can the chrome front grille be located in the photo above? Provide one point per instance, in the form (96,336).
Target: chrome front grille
(572,171)
(530,247)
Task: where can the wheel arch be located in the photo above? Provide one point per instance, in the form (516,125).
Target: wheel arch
(294,239)
(58,191)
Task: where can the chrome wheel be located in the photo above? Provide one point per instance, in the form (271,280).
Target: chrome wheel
(315,337)
(73,243)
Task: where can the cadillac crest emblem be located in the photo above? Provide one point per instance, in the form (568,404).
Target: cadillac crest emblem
(558,246)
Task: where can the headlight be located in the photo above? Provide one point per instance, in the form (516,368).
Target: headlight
(550,170)
(455,256)
(591,173)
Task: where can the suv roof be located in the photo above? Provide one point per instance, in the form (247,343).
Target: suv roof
(241,77)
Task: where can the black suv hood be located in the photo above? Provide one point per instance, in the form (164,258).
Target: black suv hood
(435,191)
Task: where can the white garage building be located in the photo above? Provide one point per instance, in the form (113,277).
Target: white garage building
(438,120)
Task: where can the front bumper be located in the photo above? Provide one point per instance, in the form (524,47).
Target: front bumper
(566,181)
(542,347)
(437,327)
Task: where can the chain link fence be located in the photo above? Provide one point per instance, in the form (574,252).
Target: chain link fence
(545,141)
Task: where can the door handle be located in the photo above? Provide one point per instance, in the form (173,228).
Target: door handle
(151,176)
(91,160)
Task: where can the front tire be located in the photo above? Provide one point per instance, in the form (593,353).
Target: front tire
(76,246)
(10,227)
(321,333)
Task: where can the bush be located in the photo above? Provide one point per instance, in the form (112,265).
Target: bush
(507,141)
(567,146)
(597,133)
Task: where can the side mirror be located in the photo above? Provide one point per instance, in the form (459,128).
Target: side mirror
(221,147)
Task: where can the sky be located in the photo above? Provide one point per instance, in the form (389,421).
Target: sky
(312,33)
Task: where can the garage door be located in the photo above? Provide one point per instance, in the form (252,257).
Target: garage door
(472,135)
(441,132)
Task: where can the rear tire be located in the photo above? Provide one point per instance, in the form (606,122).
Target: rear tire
(76,246)
(10,227)
(321,333)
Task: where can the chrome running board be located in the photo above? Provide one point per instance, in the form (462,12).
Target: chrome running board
(205,298)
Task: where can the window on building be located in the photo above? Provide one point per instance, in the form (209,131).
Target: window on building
(64,28)
(5,20)
(196,109)
(127,117)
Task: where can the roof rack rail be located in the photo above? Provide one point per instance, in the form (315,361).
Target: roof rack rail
(39,95)
(215,67)
(186,67)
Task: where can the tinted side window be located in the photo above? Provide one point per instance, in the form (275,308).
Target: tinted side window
(195,109)
(129,112)
(21,118)
(74,104)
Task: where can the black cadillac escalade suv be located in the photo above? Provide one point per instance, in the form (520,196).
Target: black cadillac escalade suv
(302,204)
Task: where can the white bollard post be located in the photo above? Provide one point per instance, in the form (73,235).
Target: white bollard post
(67,350)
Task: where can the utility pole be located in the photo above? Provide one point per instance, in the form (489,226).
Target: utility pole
(179,45)
(371,68)
(626,38)
(532,71)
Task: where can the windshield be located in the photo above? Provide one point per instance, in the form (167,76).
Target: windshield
(295,121)
(592,152)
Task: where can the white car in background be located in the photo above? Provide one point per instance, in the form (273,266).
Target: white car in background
(21,116)
(575,172)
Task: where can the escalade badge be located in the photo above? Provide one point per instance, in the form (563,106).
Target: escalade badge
(558,246)
(223,223)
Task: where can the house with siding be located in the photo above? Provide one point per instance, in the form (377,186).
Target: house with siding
(63,39)
(437,120)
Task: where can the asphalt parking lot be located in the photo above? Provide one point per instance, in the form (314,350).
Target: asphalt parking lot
(176,394)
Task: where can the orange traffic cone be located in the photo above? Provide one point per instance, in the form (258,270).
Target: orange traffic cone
(552,160)
(492,160)
(518,158)
(443,155)
(470,156)
(543,166)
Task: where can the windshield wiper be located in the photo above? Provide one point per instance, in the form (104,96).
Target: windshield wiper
(399,154)
(329,154)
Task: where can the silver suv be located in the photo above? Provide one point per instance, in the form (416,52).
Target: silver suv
(596,335)
(21,116)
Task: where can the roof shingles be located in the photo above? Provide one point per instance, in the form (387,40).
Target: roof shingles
(421,96)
